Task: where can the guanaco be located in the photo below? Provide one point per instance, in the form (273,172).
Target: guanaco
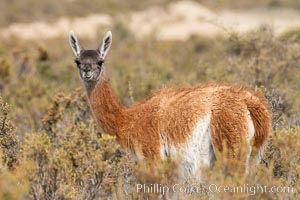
(192,122)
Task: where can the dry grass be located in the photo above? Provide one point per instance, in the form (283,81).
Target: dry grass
(51,148)
(12,11)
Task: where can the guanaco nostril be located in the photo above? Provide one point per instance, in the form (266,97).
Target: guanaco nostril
(87,68)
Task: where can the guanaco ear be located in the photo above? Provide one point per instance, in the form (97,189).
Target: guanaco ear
(104,47)
(74,44)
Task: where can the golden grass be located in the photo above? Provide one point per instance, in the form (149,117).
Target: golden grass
(51,148)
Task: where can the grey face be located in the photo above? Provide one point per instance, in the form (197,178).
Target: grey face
(90,62)
(90,65)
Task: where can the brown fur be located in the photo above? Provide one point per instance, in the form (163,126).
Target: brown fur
(169,116)
(174,112)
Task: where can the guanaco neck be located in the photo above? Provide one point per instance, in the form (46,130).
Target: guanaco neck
(106,107)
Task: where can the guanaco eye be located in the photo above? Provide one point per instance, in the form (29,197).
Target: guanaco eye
(77,62)
(100,63)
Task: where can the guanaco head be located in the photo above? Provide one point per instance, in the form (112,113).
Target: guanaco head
(90,62)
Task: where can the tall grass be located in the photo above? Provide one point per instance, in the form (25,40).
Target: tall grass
(51,148)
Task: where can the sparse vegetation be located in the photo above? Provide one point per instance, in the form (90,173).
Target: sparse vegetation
(12,11)
(50,147)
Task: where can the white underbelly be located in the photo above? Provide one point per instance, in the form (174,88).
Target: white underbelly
(196,152)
